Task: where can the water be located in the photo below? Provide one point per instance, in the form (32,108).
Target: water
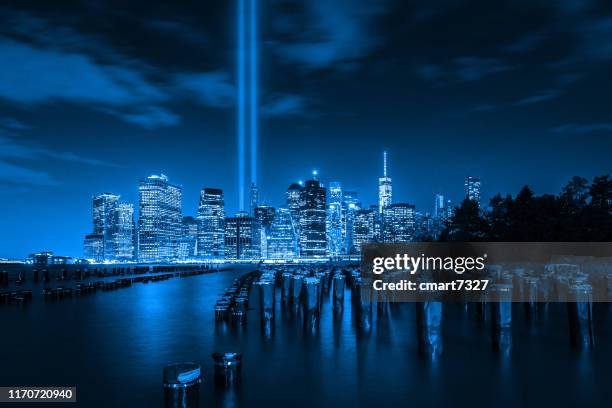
(113,346)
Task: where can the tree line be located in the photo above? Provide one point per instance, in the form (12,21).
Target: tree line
(582,212)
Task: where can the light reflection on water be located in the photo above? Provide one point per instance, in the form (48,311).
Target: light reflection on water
(113,346)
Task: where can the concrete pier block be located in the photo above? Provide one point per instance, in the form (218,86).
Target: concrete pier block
(531,292)
(227,369)
(296,289)
(182,385)
(287,283)
(338,293)
(311,304)
(429,328)
(580,316)
(501,318)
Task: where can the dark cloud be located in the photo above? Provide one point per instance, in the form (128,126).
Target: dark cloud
(333,34)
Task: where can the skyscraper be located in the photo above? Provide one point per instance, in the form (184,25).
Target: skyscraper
(439,203)
(264,214)
(294,203)
(242,237)
(313,237)
(122,230)
(472,189)
(363,229)
(283,240)
(187,246)
(160,219)
(334,220)
(211,220)
(350,204)
(399,222)
(384,187)
(93,247)
(104,207)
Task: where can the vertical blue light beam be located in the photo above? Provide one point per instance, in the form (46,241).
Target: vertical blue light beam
(241,110)
(253,88)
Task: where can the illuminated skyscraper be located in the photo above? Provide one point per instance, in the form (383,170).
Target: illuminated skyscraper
(187,246)
(264,215)
(472,188)
(93,247)
(104,207)
(283,240)
(439,211)
(211,224)
(293,205)
(399,222)
(384,187)
(160,219)
(122,230)
(334,220)
(363,229)
(242,237)
(450,210)
(350,204)
(312,215)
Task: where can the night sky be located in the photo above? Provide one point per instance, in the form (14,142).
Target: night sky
(96,95)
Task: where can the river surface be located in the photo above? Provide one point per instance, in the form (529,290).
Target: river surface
(113,346)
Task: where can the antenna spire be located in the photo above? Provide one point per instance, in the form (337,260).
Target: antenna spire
(385,164)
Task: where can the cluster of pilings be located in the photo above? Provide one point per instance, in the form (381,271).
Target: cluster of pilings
(233,304)
(18,297)
(536,286)
(85,288)
(78,273)
(301,290)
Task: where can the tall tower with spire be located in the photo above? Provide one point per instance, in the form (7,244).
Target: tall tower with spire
(384,187)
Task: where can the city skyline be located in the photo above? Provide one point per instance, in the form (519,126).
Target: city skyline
(317,220)
(96,96)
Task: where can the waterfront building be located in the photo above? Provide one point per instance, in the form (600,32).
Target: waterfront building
(160,219)
(334,220)
(293,200)
(350,204)
(282,242)
(399,222)
(264,214)
(187,246)
(211,224)
(312,220)
(242,237)
(93,247)
(122,233)
(363,229)
(104,206)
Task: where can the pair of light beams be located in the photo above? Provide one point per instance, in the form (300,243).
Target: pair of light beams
(247,110)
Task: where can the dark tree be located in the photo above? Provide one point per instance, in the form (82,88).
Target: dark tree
(467,224)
